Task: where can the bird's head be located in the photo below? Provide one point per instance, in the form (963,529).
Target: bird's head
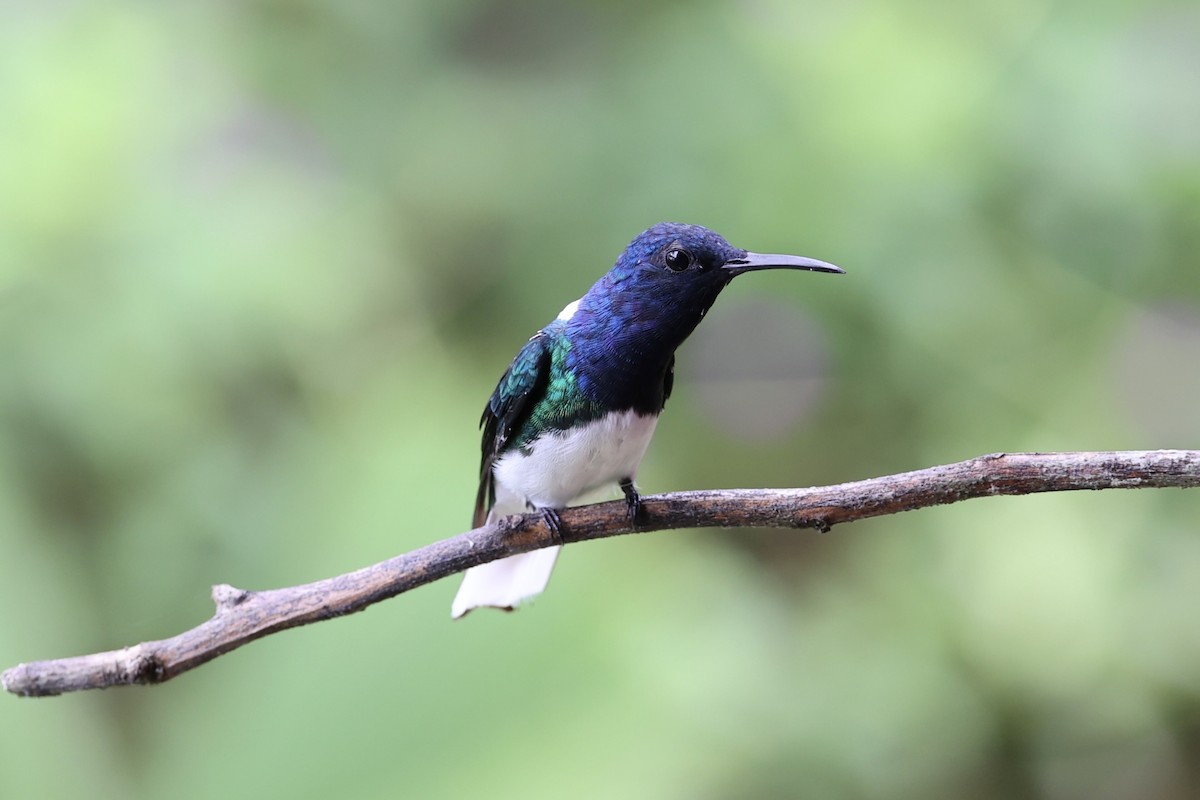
(670,275)
(672,253)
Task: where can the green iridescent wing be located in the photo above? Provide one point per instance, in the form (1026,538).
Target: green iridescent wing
(518,391)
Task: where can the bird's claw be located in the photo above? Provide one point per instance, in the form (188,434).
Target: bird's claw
(633,500)
(554,523)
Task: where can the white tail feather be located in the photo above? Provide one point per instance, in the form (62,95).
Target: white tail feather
(505,583)
(563,468)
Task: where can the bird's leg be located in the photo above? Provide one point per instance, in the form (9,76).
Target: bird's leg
(553,522)
(633,501)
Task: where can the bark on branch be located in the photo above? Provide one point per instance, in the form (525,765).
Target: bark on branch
(243,616)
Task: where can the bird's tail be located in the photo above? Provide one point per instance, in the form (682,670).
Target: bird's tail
(505,583)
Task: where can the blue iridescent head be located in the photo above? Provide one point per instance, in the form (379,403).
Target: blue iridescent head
(623,333)
(669,276)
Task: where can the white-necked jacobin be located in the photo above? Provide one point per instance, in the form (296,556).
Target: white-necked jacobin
(577,407)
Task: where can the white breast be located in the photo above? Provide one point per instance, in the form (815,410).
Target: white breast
(563,465)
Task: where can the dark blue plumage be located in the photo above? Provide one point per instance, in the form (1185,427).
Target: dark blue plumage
(577,407)
(629,324)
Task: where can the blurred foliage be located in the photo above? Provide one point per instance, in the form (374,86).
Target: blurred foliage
(262,262)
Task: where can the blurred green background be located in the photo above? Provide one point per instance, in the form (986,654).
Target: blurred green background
(261,263)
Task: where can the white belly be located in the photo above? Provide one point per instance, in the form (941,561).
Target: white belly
(563,465)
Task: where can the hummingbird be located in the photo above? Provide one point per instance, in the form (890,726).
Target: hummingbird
(575,411)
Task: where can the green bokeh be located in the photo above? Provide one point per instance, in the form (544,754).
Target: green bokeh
(262,262)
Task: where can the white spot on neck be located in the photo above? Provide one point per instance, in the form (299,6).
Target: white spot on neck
(569,310)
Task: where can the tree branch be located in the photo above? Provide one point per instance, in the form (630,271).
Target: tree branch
(243,616)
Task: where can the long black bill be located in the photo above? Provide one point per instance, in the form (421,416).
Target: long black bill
(753,261)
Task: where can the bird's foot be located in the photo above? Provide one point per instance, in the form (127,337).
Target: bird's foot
(633,500)
(553,522)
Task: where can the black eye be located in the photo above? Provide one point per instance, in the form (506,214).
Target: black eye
(677,259)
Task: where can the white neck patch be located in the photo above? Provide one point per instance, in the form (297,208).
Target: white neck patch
(569,310)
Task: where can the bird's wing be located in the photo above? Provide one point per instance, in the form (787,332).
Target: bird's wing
(518,391)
